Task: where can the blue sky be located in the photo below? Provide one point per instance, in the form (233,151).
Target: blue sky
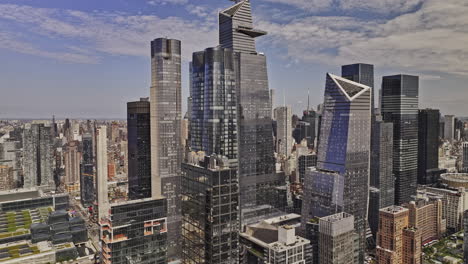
(87,58)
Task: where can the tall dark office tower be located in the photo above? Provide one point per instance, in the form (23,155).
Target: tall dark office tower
(400,106)
(210,229)
(37,155)
(255,146)
(310,117)
(428,146)
(87,171)
(214,108)
(360,73)
(54,127)
(340,182)
(382,180)
(166,145)
(139,149)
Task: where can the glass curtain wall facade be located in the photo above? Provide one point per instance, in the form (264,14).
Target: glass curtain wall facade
(382,193)
(210,229)
(166,143)
(340,182)
(135,232)
(214,103)
(400,106)
(255,135)
(38,155)
(139,149)
(428,145)
(87,171)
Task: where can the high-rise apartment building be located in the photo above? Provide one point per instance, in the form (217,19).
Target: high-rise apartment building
(87,179)
(255,146)
(449,127)
(465,237)
(166,115)
(135,232)
(11,155)
(284,139)
(465,157)
(381,174)
(453,205)
(102,167)
(426,215)
(400,106)
(6,178)
(38,155)
(72,163)
(210,227)
(428,146)
(139,149)
(397,243)
(337,239)
(214,107)
(340,183)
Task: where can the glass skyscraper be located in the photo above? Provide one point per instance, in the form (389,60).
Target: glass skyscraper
(166,143)
(382,181)
(38,155)
(340,182)
(428,146)
(255,135)
(139,149)
(400,106)
(214,103)
(210,207)
(87,171)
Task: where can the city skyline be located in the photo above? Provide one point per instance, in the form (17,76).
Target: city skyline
(222,159)
(66,56)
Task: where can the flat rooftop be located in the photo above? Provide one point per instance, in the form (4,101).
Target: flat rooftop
(19,194)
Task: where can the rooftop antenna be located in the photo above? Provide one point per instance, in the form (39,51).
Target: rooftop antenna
(308,96)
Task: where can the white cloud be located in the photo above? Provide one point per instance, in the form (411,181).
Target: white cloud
(111,33)
(310,5)
(373,6)
(8,41)
(431,39)
(165,2)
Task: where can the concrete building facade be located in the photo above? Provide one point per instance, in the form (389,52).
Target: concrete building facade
(449,127)
(284,139)
(72,163)
(337,239)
